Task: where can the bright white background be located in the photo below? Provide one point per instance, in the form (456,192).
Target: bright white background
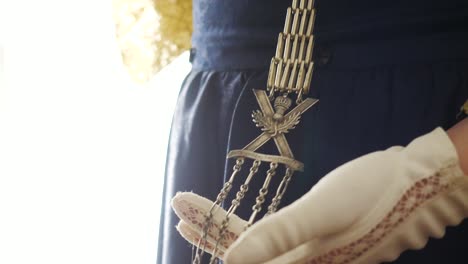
(82,149)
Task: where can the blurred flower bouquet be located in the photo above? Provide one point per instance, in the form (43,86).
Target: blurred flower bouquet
(151,33)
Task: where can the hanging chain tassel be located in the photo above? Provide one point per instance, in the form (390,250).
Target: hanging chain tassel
(204,223)
(201,246)
(280,191)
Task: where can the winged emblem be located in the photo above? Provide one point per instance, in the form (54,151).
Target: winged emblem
(271,126)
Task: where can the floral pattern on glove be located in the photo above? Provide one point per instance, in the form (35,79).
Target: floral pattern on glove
(196,217)
(418,194)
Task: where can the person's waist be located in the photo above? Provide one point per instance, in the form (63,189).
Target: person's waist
(345,50)
(225,43)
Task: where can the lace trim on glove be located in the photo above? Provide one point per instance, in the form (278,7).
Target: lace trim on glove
(419,194)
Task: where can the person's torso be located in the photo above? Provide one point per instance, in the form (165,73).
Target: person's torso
(237,34)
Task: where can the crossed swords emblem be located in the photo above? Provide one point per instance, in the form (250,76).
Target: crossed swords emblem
(274,124)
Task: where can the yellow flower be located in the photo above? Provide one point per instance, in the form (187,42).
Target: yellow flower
(151,33)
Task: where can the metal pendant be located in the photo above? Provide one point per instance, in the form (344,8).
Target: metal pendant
(290,74)
(274,122)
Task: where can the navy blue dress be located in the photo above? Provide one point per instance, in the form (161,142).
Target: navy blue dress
(386,72)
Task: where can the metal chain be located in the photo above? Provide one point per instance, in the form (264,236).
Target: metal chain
(234,204)
(280,191)
(290,72)
(221,233)
(209,218)
(244,187)
(292,67)
(262,193)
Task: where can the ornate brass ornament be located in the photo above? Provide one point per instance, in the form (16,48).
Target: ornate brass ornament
(463,111)
(290,74)
(274,123)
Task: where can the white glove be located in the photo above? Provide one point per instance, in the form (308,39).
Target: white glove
(367,211)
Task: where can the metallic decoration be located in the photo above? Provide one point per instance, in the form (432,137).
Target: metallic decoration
(290,74)
(463,111)
(274,126)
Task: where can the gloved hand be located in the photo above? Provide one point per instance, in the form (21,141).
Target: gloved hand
(367,211)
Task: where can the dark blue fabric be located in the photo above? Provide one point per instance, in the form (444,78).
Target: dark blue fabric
(242,34)
(399,70)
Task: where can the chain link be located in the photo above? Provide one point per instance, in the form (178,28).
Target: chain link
(292,67)
(262,193)
(234,204)
(280,191)
(209,218)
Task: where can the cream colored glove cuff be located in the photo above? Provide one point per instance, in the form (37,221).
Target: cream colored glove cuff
(367,211)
